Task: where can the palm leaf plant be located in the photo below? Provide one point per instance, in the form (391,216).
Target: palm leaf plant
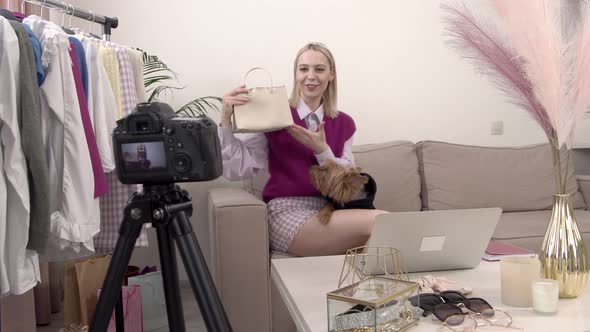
(159,79)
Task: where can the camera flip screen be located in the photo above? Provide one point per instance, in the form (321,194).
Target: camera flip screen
(144,156)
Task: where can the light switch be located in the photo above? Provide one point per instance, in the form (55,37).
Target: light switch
(497,128)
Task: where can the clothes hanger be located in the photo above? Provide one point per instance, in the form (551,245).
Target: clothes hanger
(71,15)
(90,25)
(63,16)
(42,7)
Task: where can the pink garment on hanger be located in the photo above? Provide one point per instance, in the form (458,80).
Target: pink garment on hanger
(100,182)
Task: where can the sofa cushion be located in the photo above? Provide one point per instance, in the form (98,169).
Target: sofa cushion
(514,178)
(527,229)
(514,225)
(393,165)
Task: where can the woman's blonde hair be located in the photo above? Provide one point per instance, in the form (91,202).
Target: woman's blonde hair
(330,95)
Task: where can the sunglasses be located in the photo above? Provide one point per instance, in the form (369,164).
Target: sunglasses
(447,307)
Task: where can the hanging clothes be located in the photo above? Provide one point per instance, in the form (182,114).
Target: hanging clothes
(136,58)
(100,183)
(37,50)
(111,65)
(19,267)
(112,205)
(75,213)
(80,55)
(62,98)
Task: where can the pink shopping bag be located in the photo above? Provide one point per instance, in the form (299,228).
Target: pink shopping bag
(132,310)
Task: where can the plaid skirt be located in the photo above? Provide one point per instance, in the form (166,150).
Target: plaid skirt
(286,215)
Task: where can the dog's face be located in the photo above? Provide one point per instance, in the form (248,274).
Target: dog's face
(341,183)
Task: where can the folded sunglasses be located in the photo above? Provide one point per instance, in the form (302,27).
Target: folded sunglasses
(446,306)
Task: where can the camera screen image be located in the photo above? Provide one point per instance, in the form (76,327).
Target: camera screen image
(144,156)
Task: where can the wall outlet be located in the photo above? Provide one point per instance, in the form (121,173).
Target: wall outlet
(497,128)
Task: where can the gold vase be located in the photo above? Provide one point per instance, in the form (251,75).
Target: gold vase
(563,255)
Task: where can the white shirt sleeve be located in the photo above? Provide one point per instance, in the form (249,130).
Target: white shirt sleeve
(347,158)
(243,157)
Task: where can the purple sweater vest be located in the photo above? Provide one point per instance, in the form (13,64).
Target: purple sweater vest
(289,161)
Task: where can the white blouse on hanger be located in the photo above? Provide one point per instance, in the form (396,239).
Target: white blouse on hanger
(20,267)
(101,103)
(75,214)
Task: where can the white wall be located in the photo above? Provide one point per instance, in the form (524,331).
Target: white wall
(397,78)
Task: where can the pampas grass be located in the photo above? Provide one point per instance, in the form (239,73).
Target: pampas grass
(479,42)
(528,59)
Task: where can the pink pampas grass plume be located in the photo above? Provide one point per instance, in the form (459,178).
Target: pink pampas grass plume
(535,32)
(477,41)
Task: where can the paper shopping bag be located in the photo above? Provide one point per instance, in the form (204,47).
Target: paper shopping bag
(132,310)
(81,280)
(153,300)
(267,110)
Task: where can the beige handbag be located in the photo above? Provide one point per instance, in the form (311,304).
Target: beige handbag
(267,110)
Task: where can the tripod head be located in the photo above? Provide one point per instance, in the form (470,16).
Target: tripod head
(165,201)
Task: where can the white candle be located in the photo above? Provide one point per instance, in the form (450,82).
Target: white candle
(545,295)
(516,275)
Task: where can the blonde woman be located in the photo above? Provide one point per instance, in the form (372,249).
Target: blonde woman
(320,132)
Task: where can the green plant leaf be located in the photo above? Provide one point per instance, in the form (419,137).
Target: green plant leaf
(155,79)
(200,106)
(161,89)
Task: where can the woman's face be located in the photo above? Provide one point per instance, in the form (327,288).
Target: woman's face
(312,75)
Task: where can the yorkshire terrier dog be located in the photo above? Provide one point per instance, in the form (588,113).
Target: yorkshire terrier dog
(344,187)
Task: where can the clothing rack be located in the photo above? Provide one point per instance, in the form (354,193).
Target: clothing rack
(107,22)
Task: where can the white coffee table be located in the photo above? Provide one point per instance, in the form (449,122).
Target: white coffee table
(304,282)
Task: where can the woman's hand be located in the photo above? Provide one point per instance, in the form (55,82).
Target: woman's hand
(316,141)
(234,97)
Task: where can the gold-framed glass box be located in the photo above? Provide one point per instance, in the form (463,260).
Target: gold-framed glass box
(377,304)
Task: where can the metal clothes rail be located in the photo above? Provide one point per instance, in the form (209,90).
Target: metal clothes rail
(107,22)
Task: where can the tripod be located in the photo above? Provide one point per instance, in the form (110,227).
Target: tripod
(166,207)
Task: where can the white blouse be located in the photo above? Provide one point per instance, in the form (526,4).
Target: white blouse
(242,158)
(101,103)
(19,267)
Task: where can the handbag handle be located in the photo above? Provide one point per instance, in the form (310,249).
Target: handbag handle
(258,68)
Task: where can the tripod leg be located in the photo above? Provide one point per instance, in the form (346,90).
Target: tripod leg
(170,280)
(111,287)
(198,273)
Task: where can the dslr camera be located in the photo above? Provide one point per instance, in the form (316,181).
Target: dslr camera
(154,146)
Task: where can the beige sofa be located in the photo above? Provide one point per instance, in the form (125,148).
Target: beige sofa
(410,177)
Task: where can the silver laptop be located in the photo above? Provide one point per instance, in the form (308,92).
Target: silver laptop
(436,240)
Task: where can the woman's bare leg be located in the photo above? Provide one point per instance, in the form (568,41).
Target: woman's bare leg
(347,229)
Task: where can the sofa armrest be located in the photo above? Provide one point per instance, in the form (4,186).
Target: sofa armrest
(239,261)
(584,187)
